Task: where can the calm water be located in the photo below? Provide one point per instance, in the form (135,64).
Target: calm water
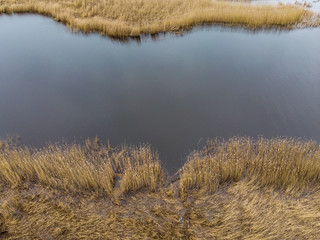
(313,5)
(173,93)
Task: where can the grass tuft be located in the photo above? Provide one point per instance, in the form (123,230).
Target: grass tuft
(92,169)
(285,164)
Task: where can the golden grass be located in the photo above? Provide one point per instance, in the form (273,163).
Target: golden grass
(77,169)
(122,18)
(234,189)
(279,163)
(244,211)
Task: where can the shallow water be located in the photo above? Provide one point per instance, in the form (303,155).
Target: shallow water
(311,5)
(173,93)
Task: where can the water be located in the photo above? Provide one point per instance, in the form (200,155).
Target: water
(173,93)
(311,5)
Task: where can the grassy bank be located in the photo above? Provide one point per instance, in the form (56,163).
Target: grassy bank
(235,189)
(122,18)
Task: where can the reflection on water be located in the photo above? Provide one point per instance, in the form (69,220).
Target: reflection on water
(157,37)
(172,93)
(143,38)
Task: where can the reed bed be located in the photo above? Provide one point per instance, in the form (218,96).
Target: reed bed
(91,168)
(285,164)
(232,189)
(123,18)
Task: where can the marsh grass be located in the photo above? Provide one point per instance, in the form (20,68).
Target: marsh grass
(91,168)
(234,189)
(123,18)
(285,164)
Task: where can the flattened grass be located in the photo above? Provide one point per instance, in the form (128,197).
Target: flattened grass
(123,18)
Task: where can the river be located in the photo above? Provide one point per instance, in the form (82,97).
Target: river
(172,92)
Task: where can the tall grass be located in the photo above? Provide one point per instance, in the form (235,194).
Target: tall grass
(124,18)
(80,169)
(284,164)
(234,189)
(281,163)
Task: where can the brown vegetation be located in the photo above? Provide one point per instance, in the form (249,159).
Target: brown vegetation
(284,164)
(91,169)
(235,189)
(122,18)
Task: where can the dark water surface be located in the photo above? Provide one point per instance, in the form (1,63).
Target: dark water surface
(173,93)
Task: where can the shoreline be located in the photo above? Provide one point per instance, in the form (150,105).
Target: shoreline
(237,188)
(128,24)
(127,169)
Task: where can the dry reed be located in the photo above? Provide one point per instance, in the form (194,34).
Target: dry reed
(234,189)
(92,169)
(124,18)
(286,164)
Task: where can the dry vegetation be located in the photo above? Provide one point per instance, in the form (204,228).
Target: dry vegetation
(122,18)
(90,169)
(235,189)
(288,165)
